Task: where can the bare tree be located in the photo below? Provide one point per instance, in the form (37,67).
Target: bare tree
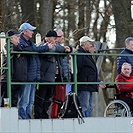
(123,20)
(28,11)
(105,21)
(0,15)
(81,24)
(71,17)
(88,11)
(46,21)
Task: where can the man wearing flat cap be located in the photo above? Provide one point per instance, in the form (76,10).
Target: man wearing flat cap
(86,72)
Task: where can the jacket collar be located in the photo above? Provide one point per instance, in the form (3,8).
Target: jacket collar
(129,51)
(24,41)
(80,49)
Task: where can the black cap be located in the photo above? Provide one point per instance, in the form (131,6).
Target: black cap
(52,33)
(12,32)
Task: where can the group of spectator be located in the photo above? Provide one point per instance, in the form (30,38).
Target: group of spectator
(33,68)
(54,68)
(125,74)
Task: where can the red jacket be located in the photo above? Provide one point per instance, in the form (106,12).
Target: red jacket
(122,88)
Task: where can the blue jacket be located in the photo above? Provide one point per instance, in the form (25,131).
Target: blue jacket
(122,59)
(33,65)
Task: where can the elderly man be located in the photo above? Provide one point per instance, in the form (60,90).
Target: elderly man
(87,72)
(14,45)
(125,90)
(49,73)
(128,50)
(33,70)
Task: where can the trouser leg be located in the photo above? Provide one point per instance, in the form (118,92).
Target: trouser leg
(24,101)
(42,101)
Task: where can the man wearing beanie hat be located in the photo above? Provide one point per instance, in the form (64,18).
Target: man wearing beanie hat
(14,45)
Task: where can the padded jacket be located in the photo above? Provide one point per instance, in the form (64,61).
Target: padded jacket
(122,59)
(86,72)
(33,65)
(18,69)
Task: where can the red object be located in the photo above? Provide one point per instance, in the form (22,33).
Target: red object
(57,100)
(128,88)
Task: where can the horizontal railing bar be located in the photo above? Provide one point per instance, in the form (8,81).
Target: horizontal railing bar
(3,67)
(42,83)
(4,37)
(114,49)
(55,53)
(53,83)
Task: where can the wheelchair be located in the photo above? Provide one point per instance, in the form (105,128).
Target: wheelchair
(117,107)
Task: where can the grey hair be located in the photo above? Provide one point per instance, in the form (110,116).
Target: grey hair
(125,63)
(127,41)
(57,29)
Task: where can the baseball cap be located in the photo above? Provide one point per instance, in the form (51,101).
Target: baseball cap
(26,26)
(85,39)
(12,32)
(51,33)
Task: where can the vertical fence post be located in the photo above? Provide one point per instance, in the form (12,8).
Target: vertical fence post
(75,72)
(8,72)
(2,43)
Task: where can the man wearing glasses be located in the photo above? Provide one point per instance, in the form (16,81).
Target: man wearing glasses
(86,72)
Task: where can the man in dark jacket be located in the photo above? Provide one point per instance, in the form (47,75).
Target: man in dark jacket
(33,70)
(48,74)
(86,72)
(14,45)
(128,50)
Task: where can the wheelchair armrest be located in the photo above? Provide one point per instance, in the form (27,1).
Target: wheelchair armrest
(110,86)
(122,94)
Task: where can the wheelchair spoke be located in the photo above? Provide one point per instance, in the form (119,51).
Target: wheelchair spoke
(117,108)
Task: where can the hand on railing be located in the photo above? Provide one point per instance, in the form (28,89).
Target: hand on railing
(102,85)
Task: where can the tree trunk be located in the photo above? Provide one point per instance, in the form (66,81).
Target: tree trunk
(123,20)
(71,17)
(28,11)
(46,16)
(0,16)
(88,11)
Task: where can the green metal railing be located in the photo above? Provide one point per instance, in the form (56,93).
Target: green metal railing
(8,69)
(74,83)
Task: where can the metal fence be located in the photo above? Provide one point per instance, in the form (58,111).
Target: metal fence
(74,57)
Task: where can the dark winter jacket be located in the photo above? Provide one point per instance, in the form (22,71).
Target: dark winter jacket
(49,64)
(122,59)
(17,68)
(33,65)
(87,72)
(66,75)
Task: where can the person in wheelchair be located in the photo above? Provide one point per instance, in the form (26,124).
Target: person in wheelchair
(125,91)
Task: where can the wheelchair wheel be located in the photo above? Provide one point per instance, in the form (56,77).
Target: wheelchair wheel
(117,108)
